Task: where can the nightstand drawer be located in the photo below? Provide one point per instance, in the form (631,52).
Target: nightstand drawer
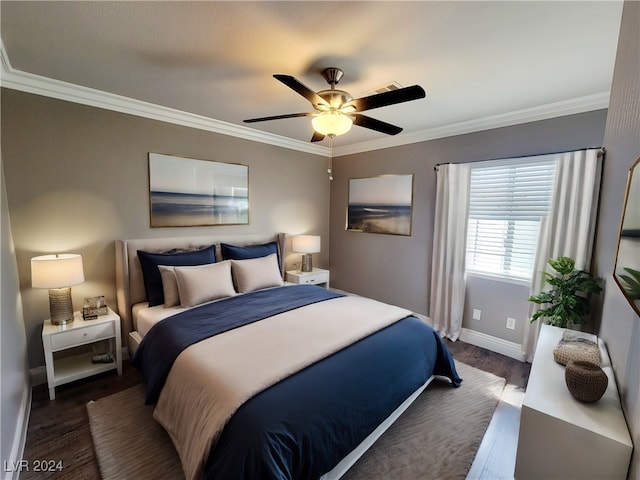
(314,278)
(80,336)
(317,276)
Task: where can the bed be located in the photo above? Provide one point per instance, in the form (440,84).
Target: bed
(255,378)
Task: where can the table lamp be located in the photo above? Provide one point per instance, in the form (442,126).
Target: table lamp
(306,244)
(58,273)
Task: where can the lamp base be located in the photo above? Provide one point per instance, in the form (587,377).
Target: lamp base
(60,306)
(307,265)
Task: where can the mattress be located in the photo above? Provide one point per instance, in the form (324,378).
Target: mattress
(145,317)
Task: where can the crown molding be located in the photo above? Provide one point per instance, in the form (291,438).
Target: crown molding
(39,85)
(4,60)
(543,112)
(49,87)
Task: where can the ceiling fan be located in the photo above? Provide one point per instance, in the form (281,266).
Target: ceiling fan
(336,110)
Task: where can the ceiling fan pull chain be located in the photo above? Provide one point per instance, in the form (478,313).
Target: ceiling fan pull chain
(330,169)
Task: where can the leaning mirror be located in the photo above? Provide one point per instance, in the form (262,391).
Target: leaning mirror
(627,269)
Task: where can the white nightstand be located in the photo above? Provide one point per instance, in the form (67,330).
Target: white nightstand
(317,276)
(56,338)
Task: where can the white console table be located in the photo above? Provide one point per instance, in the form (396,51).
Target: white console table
(561,437)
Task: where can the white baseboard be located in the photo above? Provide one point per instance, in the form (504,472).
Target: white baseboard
(495,344)
(39,374)
(12,466)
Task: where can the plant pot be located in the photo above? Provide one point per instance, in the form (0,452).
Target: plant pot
(586,381)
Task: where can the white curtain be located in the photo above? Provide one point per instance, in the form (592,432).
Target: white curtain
(449,240)
(569,228)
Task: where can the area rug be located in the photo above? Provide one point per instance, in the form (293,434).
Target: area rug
(436,438)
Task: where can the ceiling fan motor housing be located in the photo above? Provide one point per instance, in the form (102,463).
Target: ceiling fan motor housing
(335,98)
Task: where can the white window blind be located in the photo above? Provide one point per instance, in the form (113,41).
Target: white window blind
(506,202)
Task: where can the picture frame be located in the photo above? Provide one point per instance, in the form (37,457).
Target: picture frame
(381,204)
(93,307)
(188,192)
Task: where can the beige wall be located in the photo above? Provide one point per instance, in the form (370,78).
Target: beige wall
(77,179)
(620,327)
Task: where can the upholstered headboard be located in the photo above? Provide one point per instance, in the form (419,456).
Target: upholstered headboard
(129,282)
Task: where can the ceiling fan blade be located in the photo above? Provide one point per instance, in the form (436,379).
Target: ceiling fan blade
(317,137)
(278,117)
(302,89)
(391,97)
(373,124)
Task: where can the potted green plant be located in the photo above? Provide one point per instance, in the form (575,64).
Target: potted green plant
(568,301)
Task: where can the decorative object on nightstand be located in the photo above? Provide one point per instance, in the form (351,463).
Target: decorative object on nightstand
(94,307)
(58,273)
(586,381)
(306,244)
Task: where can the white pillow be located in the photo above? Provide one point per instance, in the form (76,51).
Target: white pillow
(169,286)
(256,273)
(203,283)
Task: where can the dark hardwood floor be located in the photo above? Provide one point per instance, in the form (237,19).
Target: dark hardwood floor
(514,372)
(59,429)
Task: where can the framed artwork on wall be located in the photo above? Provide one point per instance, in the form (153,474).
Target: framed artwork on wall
(186,192)
(380,204)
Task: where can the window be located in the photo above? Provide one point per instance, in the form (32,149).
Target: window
(506,202)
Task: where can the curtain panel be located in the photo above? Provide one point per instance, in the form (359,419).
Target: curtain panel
(449,243)
(569,228)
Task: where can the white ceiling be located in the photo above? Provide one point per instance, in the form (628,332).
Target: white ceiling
(483,64)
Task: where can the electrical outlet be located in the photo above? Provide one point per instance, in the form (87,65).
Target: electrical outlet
(511,323)
(477,314)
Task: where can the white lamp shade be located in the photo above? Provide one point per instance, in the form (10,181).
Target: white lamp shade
(56,271)
(332,123)
(306,243)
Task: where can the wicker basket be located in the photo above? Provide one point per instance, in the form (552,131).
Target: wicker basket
(586,381)
(574,346)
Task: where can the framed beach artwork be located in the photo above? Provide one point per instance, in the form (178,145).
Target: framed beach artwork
(380,204)
(185,192)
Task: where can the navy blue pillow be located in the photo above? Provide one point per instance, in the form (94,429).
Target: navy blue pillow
(233,252)
(151,274)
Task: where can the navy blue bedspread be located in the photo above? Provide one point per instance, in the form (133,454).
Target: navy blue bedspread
(168,338)
(301,427)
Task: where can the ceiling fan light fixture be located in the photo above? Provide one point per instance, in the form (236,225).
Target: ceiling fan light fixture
(332,123)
